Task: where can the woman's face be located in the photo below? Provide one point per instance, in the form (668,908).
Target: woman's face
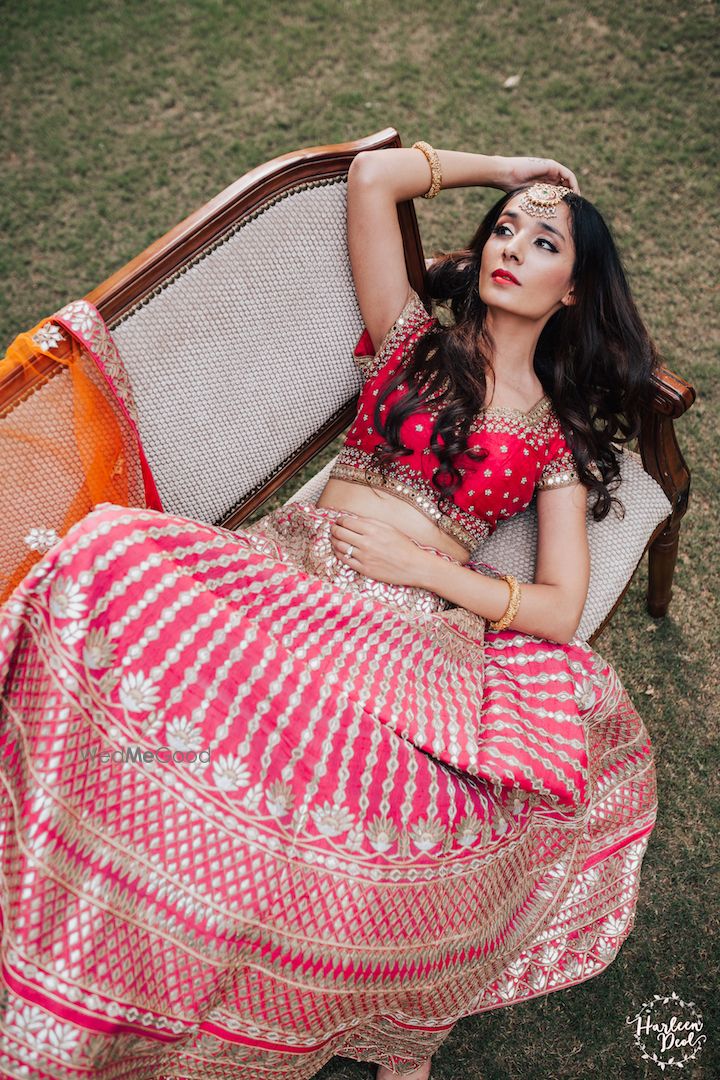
(526,265)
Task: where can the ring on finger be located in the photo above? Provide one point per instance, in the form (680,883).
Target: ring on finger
(348,553)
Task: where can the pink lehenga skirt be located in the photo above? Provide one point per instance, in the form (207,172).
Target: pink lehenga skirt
(259,810)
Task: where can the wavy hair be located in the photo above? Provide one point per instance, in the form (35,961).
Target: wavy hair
(594,359)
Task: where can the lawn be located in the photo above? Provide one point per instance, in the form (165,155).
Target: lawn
(118,119)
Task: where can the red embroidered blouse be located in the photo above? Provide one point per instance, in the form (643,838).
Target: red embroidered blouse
(527,451)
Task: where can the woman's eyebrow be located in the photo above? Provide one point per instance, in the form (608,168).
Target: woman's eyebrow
(543,226)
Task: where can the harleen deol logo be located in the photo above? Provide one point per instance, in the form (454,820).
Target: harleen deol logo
(668,1031)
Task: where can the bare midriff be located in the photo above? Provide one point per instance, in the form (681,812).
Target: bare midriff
(375,503)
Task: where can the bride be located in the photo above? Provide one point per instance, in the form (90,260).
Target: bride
(396,790)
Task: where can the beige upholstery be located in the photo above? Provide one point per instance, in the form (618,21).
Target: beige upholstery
(241,358)
(616,546)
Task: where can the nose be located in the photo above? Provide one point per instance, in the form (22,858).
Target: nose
(513,248)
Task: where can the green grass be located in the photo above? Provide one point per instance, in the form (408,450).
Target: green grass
(118,119)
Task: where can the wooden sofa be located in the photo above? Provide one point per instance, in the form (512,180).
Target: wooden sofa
(236,329)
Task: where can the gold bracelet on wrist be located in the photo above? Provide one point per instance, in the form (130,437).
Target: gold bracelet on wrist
(433,161)
(513,604)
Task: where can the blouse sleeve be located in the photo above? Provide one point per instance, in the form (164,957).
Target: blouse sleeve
(560,469)
(412,318)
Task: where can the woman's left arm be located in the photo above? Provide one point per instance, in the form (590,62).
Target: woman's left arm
(550,608)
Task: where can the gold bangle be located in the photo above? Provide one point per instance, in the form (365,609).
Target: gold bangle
(513,604)
(433,161)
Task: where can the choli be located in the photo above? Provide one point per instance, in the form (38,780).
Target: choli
(526,451)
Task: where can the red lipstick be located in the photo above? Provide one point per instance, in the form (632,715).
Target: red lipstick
(504,275)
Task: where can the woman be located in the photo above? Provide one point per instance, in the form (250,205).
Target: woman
(278,795)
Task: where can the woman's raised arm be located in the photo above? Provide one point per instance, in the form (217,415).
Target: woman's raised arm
(378,180)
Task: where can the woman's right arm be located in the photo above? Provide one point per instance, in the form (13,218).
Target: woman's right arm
(378,180)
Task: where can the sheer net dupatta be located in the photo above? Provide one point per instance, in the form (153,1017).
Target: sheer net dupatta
(68,436)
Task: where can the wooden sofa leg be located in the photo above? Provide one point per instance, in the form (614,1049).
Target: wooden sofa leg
(662,556)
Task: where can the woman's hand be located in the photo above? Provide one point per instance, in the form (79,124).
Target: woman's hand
(516,171)
(379,550)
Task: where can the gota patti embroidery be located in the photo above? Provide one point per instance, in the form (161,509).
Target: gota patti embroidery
(407,485)
(362,818)
(505,418)
(412,317)
(526,450)
(560,472)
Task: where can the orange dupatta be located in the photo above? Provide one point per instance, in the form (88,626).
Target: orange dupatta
(68,437)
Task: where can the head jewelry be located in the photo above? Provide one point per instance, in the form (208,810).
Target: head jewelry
(540,200)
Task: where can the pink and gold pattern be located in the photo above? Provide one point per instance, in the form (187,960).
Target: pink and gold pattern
(243,786)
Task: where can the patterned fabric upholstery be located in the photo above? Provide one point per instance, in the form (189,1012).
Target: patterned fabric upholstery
(244,355)
(616,546)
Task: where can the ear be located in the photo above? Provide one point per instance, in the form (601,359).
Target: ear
(568,299)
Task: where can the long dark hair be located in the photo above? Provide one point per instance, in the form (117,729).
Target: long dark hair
(594,359)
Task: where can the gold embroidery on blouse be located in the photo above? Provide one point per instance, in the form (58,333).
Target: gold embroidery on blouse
(538,408)
(559,473)
(505,418)
(404,483)
(412,316)
(534,427)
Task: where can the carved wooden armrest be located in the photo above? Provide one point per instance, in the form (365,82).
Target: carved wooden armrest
(662,458)
(673,395)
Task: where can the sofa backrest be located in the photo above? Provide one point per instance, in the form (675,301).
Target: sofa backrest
(237,332)
(240,358)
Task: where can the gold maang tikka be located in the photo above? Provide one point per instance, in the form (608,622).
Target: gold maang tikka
(540,200)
